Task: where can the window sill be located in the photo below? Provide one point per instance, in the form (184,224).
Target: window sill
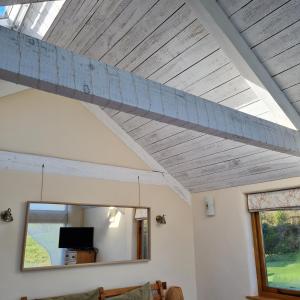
(260,298)
(279,297)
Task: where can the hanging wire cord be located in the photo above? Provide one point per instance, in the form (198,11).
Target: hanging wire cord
(42,183)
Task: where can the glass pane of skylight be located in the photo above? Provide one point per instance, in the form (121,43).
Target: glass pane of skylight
(3,12)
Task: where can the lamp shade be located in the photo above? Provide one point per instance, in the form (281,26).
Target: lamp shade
(141,214)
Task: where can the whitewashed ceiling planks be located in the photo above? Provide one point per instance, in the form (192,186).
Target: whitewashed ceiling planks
(159,40)
(162,40)
(272,30)
(175,50)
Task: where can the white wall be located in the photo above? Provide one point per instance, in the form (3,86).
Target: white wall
(114,244)
(225,263)
(44,124)
(41,123)
(172,244)
(75,216)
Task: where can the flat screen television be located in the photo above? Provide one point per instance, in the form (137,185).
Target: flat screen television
(76,237)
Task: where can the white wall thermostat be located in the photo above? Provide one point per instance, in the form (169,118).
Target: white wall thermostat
(210,205)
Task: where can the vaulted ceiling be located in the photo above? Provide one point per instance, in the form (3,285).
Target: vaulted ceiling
(158,40)
(165,41)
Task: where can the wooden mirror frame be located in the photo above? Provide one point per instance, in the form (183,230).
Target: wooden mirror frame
(84,264)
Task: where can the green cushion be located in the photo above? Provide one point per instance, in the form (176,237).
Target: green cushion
(92,295)
(142,293)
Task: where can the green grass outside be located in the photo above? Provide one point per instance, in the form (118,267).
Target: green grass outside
(284,271)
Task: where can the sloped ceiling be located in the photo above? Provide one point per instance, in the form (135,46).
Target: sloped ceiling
(271,29)
(159,40)
(163,40)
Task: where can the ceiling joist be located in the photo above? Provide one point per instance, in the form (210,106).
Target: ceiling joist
(66,167)
(236,48)
(31,62)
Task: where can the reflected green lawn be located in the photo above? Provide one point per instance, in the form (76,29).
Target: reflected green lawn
(35,255)
(284,271)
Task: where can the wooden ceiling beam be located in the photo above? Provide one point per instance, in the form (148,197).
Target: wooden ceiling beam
(66,167)
(38,64)
(215,20)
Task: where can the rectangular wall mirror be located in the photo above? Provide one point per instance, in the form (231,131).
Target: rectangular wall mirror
(63,235)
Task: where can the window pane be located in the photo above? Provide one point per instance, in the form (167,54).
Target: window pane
(42,245)
(47,206)
(281,237)
(3,12)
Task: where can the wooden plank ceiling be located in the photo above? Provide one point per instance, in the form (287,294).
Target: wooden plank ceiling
(159,40)
(271,28)
(162,40)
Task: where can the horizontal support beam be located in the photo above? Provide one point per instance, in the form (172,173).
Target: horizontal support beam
(215,20)
(31,62)
(13,2)
(59,166)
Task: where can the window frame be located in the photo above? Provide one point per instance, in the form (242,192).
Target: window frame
(140,238)
(261,270)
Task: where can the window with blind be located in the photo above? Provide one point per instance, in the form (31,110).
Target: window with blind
(44,223)
(276,231)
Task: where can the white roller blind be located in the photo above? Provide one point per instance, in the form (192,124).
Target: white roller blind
(274,200)
(48,216)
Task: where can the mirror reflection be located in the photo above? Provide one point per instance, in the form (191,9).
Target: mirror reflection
(73,234)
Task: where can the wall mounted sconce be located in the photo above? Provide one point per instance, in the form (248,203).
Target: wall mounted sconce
(210,206)
(161,219)
(6,216)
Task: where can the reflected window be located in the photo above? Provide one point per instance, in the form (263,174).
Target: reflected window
(48,207)
(41,245)
(44,223)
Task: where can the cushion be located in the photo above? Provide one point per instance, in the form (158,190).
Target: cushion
(92,295)
(142,293)
(174,293)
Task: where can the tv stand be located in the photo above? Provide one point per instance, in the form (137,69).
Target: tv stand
(78,256)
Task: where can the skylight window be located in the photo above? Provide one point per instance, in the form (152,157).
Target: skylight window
(3,12)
